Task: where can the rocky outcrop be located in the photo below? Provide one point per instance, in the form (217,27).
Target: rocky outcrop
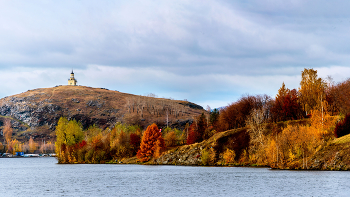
(31,112)
(191,154)
(184,155)
(331,157)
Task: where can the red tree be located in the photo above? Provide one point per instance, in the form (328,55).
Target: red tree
(135,141)
(343,127)
(192,136)
(235,115)
(286,106)
(201,127)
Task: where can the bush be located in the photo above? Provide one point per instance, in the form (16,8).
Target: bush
(207,156)
(343,127)
(170,139)
(229,156)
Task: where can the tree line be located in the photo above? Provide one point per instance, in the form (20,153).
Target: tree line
(286,131)
(314,93)
(12,145)
(283,131)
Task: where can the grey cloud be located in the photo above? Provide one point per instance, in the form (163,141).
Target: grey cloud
(206,44)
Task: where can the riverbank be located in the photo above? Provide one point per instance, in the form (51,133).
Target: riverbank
(329,156)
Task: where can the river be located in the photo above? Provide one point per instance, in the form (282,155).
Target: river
(44,177)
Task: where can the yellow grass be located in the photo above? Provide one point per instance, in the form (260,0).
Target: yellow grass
(341,140)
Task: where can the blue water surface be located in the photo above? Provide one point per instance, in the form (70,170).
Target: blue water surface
(44,177)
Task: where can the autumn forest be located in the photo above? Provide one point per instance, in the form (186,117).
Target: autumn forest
(280,132)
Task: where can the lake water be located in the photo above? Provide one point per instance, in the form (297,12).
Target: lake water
(44,177)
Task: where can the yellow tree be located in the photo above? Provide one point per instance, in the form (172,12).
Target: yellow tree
(61,135)
(322,122)
(119,141)
(271,152)
(170,139)
(68,133)
(18,147)
(74,133)
(312,89)
(32,145)
(14,146)
(282,91)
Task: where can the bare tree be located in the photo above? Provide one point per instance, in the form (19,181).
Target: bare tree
(256,127)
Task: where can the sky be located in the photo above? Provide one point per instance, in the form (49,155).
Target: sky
(210,52)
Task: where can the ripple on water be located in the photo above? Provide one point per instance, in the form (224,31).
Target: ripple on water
(43,177)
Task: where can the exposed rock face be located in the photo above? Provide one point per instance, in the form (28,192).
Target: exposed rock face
(191,154)
(331,157)
(42,108)
(29,111)
(185,155)
(96,103)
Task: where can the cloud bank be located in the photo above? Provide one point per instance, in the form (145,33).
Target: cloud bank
(208,52)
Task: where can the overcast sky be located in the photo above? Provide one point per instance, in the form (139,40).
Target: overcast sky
(208,52)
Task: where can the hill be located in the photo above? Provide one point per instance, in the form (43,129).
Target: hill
(36,112)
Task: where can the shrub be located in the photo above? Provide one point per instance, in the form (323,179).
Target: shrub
(343,127)
(209,132)
(207,156)
(170,139)
(229,156)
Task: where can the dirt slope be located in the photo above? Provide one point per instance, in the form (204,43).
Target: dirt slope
(40,109)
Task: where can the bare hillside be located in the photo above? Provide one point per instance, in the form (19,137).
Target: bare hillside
(36,112)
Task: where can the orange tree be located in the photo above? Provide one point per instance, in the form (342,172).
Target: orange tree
(152,142)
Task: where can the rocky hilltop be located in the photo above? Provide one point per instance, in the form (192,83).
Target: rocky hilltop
(36,112)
